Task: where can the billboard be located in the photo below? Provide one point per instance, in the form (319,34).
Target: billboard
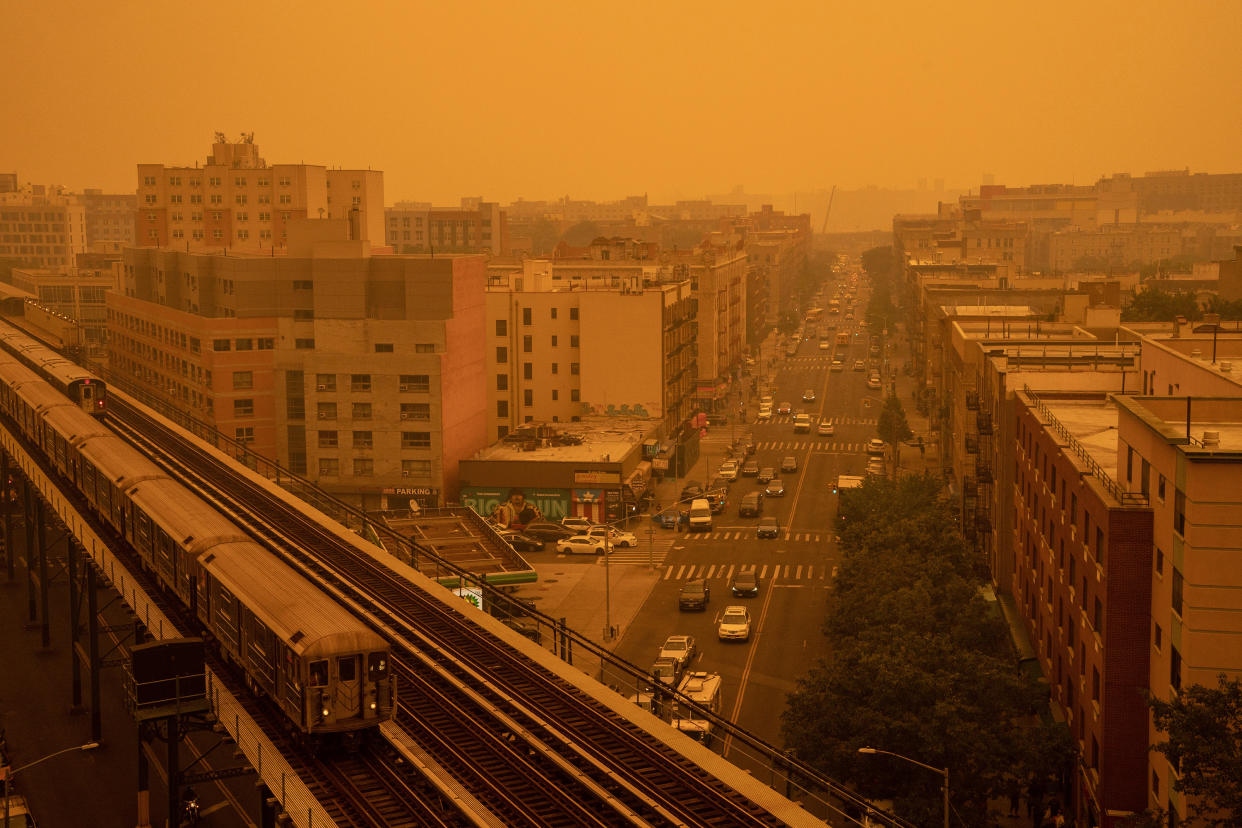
(514,506)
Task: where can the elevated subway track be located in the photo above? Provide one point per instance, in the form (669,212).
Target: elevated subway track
(531,746)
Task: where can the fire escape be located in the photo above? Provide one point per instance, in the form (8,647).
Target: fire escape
(979,474)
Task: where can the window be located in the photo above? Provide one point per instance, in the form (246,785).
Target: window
(266,343)
(1160,487)
(1179,512)
(525,316)
(1178,588)
(415,439)
(1099,544)
(1074,508)
(1175,668)
(303,314)
(424,348)
(304,344)
(243,380)
(383,347)
(528,370)
(1098,617)
(573,368)
(418,383)
(553,340)
(327,439)
(502,408)
(1158,637)
(502,327)
(243,408)
(359,382)
(528,397)
(553,312)
(1159,561)
(1145,478)
(244,345)
(1129,464)
(244,435)
(573,340)
(221,344)
(364,467)
(502,354)
(326,410)
(361,411)
(502,382)
(415,468)
(575,395)
(329,467)
(555,395)
(528,344)
(415,411)
(363,440)
(1095,684)
(325,382)
(573,314)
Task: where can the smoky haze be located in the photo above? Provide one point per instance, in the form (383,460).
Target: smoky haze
(677,100)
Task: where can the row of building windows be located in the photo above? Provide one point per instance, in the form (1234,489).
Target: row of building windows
(366,439)
(363,411)
(361,383)
(238,181)
(365,467)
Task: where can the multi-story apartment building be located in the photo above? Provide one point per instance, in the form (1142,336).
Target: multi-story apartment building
(1180,190)
(568,340)
(476,226)
(1082,581)
(1114,246)
(1185,454)
(238,202)
(364,373)
(109,217)
(718,282)
(42,226)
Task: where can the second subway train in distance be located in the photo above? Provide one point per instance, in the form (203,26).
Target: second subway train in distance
(328,673)
(87,391)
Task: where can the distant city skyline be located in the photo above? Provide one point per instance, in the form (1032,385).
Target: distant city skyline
(679,101)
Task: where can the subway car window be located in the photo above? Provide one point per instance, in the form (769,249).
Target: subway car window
(347,668)
(377,665)
(319,674)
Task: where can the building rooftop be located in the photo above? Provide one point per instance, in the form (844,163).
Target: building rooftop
(1092,421)
(590,440)
(1219,416)
(990,310)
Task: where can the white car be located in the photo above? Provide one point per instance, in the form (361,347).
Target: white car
(876,446)
(681,649)
(580,545)
(825,429)
(728,470)
(576,522)
(616,537)
(765,413)
(734,624)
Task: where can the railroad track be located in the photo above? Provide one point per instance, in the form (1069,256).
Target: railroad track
(535,750)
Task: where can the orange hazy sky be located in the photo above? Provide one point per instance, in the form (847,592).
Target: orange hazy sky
(599,100)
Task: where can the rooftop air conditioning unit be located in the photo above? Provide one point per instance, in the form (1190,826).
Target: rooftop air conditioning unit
(1211,439)
(404,388)
(1226,367)
(323,388)
(323,415)
(405,472)
(405,415)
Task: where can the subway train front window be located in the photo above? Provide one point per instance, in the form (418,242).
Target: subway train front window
(377,665)
(319,674)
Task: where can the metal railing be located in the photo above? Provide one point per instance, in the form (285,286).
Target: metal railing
(1122,496)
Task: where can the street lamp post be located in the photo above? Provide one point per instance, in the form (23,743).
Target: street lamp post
(942,771)
(9,774)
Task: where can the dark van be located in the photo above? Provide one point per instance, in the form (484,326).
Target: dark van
(751,505)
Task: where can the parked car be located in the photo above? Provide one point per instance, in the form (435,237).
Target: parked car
(766,474)
(694,595)
(859,365)
(775,488)
(802,423)
(874,383)
(808,395)
(525,627)
(750,468)
(789,464)
(580,545)
(765,413)
(728,470)
(547,531)
(521,541)
(837,365)
(825,429)
(717,419)
(679,649)
(745,584)
(751,505)
(784,408)
(876,446)
(825,345)
(691,490)
(576,522)
(733,624)
(616,537)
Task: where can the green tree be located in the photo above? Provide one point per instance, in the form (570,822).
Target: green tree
(893,427)
(1228,310)
(1204,727)
(788,322)
(879,263)
(543,235)
(1160,306)
(581,234)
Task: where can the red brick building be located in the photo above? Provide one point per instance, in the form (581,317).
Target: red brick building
(1082,581)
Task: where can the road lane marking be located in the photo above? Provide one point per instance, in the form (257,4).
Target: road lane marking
(764,573)
(799,575)
(757,633)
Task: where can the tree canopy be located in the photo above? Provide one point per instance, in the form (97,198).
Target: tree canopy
(919,664)
(1158,306)
(1204,727)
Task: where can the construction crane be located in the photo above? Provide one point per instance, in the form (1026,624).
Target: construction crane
(828,212)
